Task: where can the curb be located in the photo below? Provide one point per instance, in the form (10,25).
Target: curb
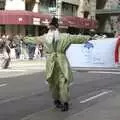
(96,69)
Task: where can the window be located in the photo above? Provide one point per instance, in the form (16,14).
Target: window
(52,3)
(100,4)
(29,5)
(86,13)
(69,9)
(2,5)
(46,4)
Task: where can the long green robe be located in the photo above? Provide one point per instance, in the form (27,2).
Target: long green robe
(58,71)
(59,55)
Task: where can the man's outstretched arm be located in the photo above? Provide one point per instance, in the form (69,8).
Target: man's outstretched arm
(79,39)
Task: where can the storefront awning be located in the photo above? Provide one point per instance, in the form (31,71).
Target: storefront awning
(15,17)
(19,17)
(78,22)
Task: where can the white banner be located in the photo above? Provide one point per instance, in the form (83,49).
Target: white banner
(95,53)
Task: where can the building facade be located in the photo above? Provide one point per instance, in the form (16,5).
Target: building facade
(19,24)
(106,12)
(29,17)
(107,15)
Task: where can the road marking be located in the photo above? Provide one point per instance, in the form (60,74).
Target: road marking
(2,85)
(94,97)
(104,72)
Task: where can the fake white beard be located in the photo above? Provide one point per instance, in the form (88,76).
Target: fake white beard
(51,34)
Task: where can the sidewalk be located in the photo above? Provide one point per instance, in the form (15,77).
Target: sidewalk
(16,63)
(42,62)
(22,67)
(24,64)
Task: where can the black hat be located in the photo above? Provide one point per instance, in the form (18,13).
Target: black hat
(54,22)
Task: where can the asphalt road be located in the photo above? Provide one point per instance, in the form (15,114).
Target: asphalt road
(27,97)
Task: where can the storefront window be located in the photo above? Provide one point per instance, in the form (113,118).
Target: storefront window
(30,30)
(2,30)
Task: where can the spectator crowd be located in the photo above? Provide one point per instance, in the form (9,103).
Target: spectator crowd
(22,47)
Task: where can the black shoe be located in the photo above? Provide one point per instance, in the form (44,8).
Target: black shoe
(57,104)
(65,107)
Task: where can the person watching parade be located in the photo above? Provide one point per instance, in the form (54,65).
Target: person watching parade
(5,53)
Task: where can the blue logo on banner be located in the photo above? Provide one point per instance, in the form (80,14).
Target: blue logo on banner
(88,45)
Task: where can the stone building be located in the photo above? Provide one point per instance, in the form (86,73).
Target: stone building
(30,17)
(107,15)
(106,12)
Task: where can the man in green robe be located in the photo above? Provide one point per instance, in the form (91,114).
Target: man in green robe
(58,71)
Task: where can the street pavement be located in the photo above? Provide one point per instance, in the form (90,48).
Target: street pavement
(24,94)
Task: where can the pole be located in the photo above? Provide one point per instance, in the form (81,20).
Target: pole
(58,8)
